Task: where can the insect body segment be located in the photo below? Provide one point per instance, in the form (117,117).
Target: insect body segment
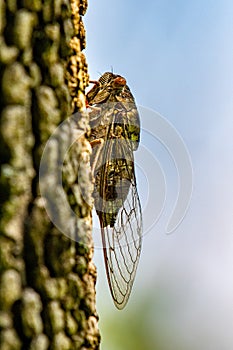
(115,121)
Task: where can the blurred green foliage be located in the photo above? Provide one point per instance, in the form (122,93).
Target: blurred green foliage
(132,329)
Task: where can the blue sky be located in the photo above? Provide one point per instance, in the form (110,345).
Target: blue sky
(177,57)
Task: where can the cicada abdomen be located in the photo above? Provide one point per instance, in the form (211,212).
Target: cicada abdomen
(115,135)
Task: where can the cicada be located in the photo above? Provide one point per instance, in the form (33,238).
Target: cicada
(114,136)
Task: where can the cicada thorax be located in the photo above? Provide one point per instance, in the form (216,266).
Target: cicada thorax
(105,117)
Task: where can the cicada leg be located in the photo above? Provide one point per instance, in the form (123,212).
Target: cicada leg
(96,82)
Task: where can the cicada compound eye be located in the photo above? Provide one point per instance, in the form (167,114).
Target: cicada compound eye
(119,82)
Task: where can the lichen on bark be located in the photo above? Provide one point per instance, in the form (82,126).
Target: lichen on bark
(47,280)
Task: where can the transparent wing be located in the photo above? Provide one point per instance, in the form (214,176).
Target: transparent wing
(119,210)
(122,247)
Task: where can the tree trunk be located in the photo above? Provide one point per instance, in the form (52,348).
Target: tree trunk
(47,280)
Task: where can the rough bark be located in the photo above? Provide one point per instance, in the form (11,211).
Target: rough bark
(47,280)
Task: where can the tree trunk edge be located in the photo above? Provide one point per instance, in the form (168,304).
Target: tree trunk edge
(47,281)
